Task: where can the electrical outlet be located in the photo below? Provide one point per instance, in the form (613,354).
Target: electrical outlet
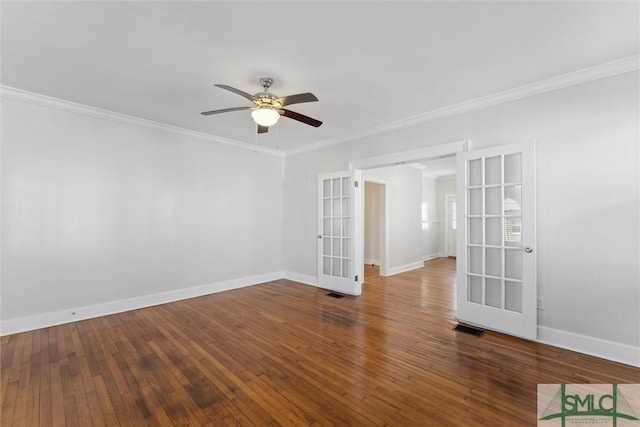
(540,303)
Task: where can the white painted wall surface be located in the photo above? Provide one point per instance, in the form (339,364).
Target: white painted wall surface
(96,211)
(403,188)
(372,218)
(587,195)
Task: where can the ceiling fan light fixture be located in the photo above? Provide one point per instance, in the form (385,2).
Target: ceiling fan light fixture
(265,116)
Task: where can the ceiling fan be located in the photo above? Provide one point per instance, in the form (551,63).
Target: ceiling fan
(269,107)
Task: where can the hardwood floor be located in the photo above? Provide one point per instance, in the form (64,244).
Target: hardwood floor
(283,353)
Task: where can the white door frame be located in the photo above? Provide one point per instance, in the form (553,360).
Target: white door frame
(431,152)
(384,224)
(447,223)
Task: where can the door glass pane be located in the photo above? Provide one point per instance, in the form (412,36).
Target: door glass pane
(335,269)
(475,231)
(513,200)
(326,227)
(475,173)
(336,187)
(493,293)
(346,268)
(493,228)
(326,207)
(513,232)
(492,171)
(346,186)
(326,188)
(493,201)
(346,206)
(475,201)
(513,296)
(346,229)
(337,207)
(493,262)
(326,246)
(336,246)
(326,266)
(336,227)
(346,248)
(474,289)
(513,264)
(475,260)
(513,168)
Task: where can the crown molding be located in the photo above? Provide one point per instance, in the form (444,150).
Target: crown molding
(574,78)
(98,113)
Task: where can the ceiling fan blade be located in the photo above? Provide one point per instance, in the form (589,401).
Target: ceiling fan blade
(300,117)
(239,92)
(224,110)
(263,129)
(297,99)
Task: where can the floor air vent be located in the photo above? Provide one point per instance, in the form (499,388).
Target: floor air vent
(469,330)
(335,295)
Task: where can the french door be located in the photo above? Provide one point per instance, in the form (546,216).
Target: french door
(496,263)
(340,262)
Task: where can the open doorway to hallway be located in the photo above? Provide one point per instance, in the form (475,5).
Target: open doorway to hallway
(407,215)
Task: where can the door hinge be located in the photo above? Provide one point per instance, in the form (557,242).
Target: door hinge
(356,183)
(356,277)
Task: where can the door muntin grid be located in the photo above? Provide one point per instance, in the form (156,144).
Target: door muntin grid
(494,226)
(336,227)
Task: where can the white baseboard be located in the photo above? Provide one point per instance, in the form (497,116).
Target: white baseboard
(406,267)
(301,278)
(45,320)
(369,261)
(432,256)
(589,345)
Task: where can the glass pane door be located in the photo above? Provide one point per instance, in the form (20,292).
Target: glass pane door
(336,232)
(338,217)
(496,275)
(494,216)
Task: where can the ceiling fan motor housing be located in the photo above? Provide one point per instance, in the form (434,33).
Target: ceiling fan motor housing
(266,98)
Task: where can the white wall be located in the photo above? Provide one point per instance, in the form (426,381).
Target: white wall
(431,219)
(372,224)
(403,189)
(96,211)
(587,196)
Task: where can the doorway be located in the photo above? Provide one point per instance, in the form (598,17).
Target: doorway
(375,228)
(450,225)
(412,255)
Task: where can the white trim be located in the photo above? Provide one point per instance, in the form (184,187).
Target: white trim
(597,347)
(574,78)
(433,256)
(44,320)
(98,113)
(410,156)
(406,267)
(301,278)
(369,261)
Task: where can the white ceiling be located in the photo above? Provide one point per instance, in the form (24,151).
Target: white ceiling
(369,63)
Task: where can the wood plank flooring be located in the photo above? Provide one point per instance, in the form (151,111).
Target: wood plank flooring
(286,354)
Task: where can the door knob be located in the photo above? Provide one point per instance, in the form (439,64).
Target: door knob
(528,249)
